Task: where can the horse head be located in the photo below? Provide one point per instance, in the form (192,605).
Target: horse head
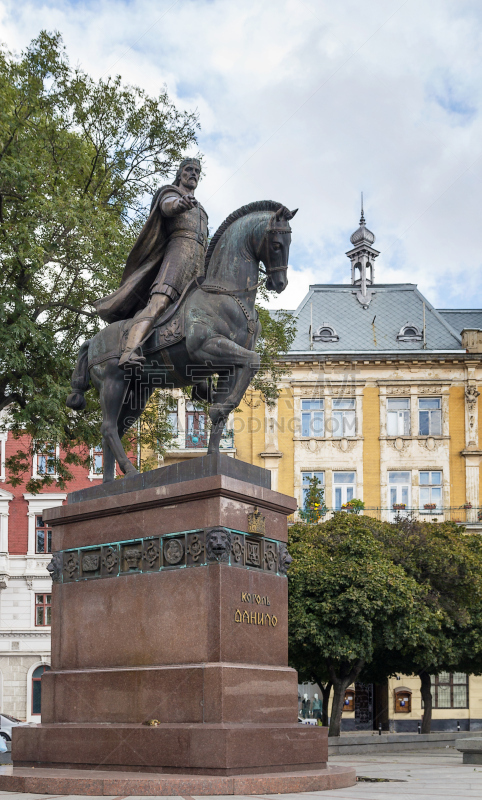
(275,248)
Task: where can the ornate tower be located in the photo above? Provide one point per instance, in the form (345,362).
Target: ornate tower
(362,258)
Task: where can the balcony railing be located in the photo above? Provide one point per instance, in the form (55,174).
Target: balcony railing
(462,515)
(199,440)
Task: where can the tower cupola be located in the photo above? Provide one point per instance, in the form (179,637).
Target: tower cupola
(362,258)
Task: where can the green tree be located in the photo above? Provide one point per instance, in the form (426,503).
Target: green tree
(446,563)
(77,159)
(315,506)
(79,162)
(348,602)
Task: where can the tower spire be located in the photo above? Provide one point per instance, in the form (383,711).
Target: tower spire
(362,218)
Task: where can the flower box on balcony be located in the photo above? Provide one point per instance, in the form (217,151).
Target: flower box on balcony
(399,506)
(467,505)
(430,506)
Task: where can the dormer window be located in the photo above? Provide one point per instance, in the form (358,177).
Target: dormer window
(410,333)
(326,334)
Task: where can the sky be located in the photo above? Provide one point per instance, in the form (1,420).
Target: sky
(310,102)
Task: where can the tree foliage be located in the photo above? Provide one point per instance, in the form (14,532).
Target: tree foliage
(446,562)
(349,601)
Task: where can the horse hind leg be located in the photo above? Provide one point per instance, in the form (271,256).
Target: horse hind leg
(112,393)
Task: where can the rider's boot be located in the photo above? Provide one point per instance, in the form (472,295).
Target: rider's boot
(132,355)
(140,330)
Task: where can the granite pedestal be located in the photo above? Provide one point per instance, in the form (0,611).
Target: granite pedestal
(170,631)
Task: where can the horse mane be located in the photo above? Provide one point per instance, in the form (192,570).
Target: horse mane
(258,205)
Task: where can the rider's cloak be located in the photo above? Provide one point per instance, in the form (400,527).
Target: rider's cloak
(142,265)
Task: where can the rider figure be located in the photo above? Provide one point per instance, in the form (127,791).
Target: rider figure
(168,254)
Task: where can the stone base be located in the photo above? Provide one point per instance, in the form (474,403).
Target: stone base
(98,783)
(203,749)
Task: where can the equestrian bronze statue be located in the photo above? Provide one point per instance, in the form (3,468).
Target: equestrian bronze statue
(207,326)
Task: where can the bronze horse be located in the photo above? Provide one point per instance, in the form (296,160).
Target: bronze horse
(211,330)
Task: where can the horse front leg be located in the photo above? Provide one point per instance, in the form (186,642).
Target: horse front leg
(231,398)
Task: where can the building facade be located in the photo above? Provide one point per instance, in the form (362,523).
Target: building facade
(383,405)
(25,585)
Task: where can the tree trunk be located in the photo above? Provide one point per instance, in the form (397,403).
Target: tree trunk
(426,690)
(325,693)
(339,689)
(340,685)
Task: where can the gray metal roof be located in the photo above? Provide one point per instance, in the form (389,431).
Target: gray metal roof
(459,318)
(375,328)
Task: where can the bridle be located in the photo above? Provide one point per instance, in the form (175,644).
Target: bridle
(269,272)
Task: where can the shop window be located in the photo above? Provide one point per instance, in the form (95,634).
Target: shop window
(312,417)
(349,702)
(43,609)
(403,701)
(37,688)
(431,491)
(429,416)
(305,482)
(344,488)
(43,536)
(398,416)
(450,690)
(343,417)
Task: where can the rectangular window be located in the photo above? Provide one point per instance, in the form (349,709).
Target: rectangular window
(429,416)
(431,491)
(312,417)
(97,460)
(398,416)
(399,484)
(43,609)
(305,482)
(343,419)
(46,462)
(172,421)
(43,536)
(344,484)
(450,690)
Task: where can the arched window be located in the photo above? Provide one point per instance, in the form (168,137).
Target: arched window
(326,333)
(37,688)
(409,333)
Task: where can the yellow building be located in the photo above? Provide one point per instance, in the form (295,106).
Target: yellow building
(382,404)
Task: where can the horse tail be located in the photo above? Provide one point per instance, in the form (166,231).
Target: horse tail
(80,379)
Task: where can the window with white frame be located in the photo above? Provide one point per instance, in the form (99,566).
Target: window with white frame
(313,417)
(97,457)
(43,536)
(44,462)
(305,482)
(431,490)
(344,486)
(3,442)
(429,416)
(399,484)
(343,417)
(173,421)
(398,416)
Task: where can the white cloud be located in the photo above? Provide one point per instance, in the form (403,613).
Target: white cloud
(309,101)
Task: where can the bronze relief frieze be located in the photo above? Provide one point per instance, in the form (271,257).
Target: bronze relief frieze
(214,545)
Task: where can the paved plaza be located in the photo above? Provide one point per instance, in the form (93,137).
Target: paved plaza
(425,775)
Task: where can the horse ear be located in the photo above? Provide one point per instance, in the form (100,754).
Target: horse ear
(280,212)
(294,212)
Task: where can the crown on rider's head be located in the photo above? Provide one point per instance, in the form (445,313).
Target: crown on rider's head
(183,163)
